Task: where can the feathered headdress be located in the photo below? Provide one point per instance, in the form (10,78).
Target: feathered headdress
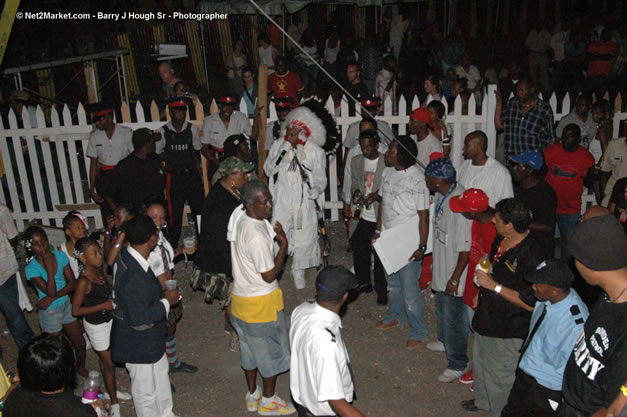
(315,124)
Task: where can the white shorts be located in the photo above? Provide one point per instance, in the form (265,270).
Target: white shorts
(99,335)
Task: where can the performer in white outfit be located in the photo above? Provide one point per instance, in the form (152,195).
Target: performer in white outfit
(296,167)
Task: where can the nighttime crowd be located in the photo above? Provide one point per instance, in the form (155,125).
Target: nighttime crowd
(537,284)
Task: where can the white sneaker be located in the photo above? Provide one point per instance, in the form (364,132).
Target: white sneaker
(252,400)
(114,411)
(275,406)
(436,346)
(450,375)
(122,395)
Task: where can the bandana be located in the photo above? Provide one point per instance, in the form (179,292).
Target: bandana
(442,168)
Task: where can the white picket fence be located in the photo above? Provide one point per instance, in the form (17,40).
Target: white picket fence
(49,170)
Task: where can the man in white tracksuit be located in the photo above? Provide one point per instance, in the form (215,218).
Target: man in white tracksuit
(298,153)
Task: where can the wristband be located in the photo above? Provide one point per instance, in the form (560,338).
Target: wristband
(117,246)
(498,289)
(454,282)
(623,390)
(422,248)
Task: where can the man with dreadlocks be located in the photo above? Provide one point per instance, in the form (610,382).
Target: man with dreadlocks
(296,167)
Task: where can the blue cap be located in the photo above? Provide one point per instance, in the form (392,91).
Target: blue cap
(531,157)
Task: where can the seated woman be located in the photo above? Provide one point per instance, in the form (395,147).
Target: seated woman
(47,375)
(212,263)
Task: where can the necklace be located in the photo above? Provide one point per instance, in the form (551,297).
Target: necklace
(618,296)
(438,206)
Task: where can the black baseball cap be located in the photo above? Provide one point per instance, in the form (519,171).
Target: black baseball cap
(552,272)
(333,282)
(599,243)
(144,136)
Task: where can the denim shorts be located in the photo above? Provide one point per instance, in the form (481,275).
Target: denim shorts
(264,346)
(52,321)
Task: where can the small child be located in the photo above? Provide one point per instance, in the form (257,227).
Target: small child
(93,300)
(54,280)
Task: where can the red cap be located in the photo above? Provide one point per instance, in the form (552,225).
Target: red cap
(371,102)
(102,112)
(423,115)
(227,100)
(472,200)
(435,155)
(178,103)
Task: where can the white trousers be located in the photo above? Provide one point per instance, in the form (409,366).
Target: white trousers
(150,387)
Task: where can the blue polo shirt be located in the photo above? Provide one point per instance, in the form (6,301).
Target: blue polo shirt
(552,345)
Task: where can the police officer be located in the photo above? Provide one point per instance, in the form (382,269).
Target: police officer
(557,320)
(220,125)
(179,147)
(108,144)
(321,379)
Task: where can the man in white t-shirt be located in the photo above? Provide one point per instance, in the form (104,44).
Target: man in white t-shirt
(582,117)
(452,239)
(366,171)
(108,144)
(404,195)
(256,299)
(482,171)
(419,128)
(472,75)
(321,380)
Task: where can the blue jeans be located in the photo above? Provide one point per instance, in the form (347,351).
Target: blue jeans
(405,300)
(13,314)
(452,320)
(566,224)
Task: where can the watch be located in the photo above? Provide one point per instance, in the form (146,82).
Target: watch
(498,289)
(454,282)
(422,248)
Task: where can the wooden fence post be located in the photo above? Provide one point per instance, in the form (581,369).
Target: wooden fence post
(262,103)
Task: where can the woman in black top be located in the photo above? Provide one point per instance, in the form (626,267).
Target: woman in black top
(93,300)
(212,263)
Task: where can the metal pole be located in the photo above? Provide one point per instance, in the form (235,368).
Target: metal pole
(204,53)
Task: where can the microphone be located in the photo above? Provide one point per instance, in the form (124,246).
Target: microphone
(280,158)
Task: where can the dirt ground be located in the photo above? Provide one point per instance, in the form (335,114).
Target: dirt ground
(389,380)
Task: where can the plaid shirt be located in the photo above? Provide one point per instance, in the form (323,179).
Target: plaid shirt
(532,130)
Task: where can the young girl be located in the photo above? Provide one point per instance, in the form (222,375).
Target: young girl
(161,262)
(438,114)
(93,300)
(432,86)
(54,280)
(75,228)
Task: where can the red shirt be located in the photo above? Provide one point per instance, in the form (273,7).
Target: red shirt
(482,237)
(276,37)
(288,84)
(602,65)
(565,174)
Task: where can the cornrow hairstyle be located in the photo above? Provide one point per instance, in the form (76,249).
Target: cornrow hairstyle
(28,241)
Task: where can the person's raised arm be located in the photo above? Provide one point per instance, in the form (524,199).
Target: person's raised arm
(279,259)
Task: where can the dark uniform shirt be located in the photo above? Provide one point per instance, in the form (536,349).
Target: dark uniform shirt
(135,180)
(542,201)
(180,149)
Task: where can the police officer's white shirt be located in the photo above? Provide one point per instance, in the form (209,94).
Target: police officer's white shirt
(160,145)
(320,368)
(110,151)
(214,132)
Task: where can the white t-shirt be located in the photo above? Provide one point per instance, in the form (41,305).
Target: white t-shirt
(472,75)
(588,127)
(72,259)
(214,132)
(370,168)
(252,252)
(426,147)
(110,151)
(353,152)
(265,57)
(492,178)
(320,367)
(452,234)
(403,194)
